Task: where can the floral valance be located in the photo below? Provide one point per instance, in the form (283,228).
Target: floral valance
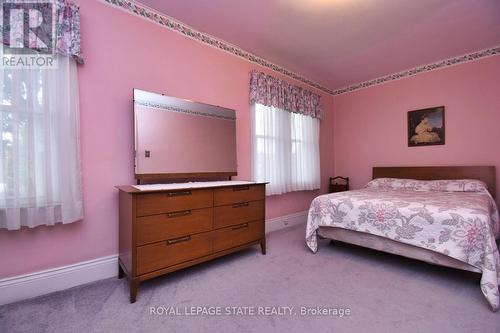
(271,91)
(64,32)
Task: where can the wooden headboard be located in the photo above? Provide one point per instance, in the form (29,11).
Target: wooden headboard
(483,173)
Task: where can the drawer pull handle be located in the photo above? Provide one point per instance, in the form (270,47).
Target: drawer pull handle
(177,194)
(241,188)
(178,240)
(241,226)
(179,214)
(241,204)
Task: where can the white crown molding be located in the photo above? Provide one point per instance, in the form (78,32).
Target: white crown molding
(167,22)
(474,56)
(18,288)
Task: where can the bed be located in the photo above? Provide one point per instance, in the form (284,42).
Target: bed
(441,215)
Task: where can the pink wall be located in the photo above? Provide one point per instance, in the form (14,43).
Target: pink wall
(370,124)
(124,52)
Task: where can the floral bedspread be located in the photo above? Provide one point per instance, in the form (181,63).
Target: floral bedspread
(460,223)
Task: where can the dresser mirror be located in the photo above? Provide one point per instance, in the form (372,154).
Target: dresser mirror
(178,138)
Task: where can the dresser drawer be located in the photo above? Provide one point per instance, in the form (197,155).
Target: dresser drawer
(159,255)
(238,213)
(173,201)
(236,194)
(238,235)
(156,228)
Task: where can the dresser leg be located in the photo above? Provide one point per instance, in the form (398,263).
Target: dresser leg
(134,285)
(263,246)
(121,273)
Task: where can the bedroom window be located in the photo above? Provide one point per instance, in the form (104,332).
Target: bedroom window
(285,134)
(285,150)
(40,168)
(40,174)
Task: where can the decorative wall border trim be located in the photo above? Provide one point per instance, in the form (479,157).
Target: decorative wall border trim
(165,107)
(170,23)
(421,69)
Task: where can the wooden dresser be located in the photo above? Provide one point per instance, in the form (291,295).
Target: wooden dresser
(162,231)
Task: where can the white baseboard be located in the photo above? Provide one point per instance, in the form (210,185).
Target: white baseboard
(26,286)
(286,221)
(31,285)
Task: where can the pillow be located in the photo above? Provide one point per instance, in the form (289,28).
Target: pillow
(392,183)
(452,185)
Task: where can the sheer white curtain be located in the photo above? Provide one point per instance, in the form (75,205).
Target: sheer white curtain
(40,175)
(285,150)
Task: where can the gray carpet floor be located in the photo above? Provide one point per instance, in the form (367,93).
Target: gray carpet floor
(384,293)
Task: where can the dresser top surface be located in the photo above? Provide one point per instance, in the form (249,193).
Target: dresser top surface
(184,186)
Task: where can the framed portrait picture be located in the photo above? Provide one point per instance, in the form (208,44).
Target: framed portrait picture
(426,127)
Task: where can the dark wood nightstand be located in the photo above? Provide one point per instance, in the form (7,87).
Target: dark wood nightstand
(338,184)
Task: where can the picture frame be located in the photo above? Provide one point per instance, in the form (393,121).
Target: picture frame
(426,127)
